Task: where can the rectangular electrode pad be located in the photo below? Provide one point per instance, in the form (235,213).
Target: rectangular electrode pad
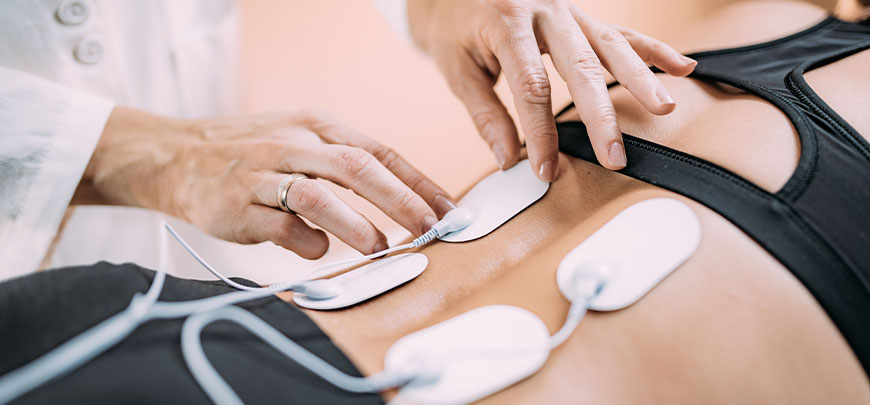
(472,355)
(640,246)
(370,281)
(498,198)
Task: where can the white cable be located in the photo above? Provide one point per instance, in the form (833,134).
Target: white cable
(83,347)
(312,274)
(96,340)
(204,263)
(576,314)
(221,393)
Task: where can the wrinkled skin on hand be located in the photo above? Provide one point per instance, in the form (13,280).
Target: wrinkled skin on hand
(223,175)
(475,41)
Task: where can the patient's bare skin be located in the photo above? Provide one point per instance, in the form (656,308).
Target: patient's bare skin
(732,325)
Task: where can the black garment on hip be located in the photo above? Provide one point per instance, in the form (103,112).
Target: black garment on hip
(818,224)
(40,311)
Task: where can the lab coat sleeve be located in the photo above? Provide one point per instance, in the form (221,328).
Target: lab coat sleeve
(396,13)
(47,135)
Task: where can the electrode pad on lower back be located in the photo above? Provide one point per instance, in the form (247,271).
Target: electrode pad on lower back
(370,281)
(498,198)
(640,246)
(470,356)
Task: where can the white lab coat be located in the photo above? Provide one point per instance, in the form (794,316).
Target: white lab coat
(63,65)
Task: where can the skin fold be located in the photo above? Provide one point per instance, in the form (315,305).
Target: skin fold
(731,325)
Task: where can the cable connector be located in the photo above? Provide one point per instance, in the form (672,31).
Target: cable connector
(454,220)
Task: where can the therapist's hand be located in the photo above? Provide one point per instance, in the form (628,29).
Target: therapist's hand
(223,175)
(474,41)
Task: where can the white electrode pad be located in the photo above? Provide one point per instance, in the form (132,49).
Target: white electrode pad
(471,356)
(497,198)
(370,281)
(640,246)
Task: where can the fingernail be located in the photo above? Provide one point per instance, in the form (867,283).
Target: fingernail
(664,97)
(689,61)
(616,155)
(443,204)
(547,171)
(498,150)
(428,221)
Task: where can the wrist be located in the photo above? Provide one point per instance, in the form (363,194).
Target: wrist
(132,158)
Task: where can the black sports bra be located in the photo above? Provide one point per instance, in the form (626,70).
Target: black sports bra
(818,224)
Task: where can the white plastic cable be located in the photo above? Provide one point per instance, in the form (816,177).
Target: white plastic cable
(143,308)
(588,280)
(85,346)
(316,273)
(221,393)
(576,314)
(588,284)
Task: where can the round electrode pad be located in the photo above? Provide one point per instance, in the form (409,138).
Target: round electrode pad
(370,281)
(640,246)
(470,356)
(497,198)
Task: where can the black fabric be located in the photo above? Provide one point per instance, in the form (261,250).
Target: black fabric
(818,224)
(43,310)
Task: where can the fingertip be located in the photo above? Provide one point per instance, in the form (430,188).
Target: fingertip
(511,161)
(665,104)
(616,158)
(685,67)
(547,170)
(381,245)
(428,222)
(316,248)
(689,62)
(500,158)
(442,204)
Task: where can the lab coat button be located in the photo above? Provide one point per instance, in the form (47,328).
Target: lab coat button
(89,50)
(72,12)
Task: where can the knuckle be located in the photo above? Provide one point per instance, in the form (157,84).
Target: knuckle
(415,181)
(485,121)
(657,47)
(310,196)
(354,162)
(244,236)
(535,86)
(640,71)
(386,155)
(406,201)
(606,116)
(587,60)
(589,67)
(509,8)
(612,37)
(313,115)
(360,232)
